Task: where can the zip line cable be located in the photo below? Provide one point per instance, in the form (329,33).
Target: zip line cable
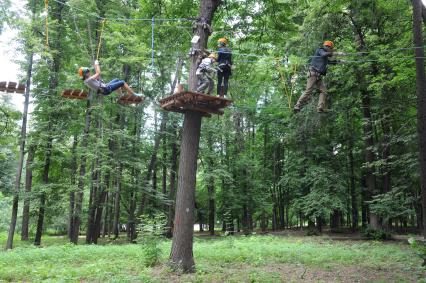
(123,19)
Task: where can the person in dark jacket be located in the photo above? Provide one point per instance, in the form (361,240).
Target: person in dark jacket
(224,66)
(317,70)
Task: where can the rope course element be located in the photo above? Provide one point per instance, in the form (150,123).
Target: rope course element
(100,38)
(124,19)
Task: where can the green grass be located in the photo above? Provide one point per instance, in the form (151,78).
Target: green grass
(230,259)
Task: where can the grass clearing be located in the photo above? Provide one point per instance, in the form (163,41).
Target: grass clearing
(220,259)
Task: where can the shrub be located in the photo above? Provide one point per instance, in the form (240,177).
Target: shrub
(150,233)
(376,234)
(420,249)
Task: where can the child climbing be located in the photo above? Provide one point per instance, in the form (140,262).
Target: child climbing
(225,66)
(205,73)
(94,82)
(317,70)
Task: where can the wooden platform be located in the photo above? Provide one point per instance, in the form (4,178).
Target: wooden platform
(194,101)
(75,94)
(12,87)
(130,99)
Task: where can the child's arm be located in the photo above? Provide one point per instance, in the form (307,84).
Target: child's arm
(97,70)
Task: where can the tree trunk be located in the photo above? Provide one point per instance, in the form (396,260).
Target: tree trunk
(22,140)
(28,185)
(45,179)
(172,184)
(73,184)
(75,230)
(421,100)
(210,185)
(181,253)
(118,184)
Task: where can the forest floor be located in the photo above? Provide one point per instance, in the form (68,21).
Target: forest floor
(258,258)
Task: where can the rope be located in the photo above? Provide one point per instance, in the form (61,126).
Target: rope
(83,46)
(100,38)
(46,9)
(282,77)
(123,19)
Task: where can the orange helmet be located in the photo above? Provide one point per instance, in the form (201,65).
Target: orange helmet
(82,71)
(328,43)
(223,40)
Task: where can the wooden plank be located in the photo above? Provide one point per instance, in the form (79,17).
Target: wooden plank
(11,87)
(3,86)
(172,103)
(20,89)
(74,94)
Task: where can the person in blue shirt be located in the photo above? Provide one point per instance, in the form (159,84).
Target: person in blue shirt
(317,70)
(224,61)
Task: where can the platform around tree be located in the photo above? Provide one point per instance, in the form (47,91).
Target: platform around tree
(193,101)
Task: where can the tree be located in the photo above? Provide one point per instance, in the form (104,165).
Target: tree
(421,100)
(181,254)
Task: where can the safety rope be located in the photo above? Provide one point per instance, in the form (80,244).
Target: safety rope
(100,38)
(46,9)
(283,80)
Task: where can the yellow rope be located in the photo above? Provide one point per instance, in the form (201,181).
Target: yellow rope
(282,76)
(100,38)
(46,8)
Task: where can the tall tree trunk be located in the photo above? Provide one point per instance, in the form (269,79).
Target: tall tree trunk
(421,100)
(75,230)
(172,183)
(22,140)
(118,183)
(181,253)
(73,185)
(28,185)
(210,185)
(370,179)
(45,180)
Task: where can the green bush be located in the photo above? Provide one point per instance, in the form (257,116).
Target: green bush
(376,234)
(150,233)
(419,248)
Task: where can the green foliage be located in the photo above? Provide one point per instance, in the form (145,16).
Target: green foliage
(376,234)
(220,260)
(150,234)
(420,248)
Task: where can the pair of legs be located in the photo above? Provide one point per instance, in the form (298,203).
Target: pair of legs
(116,85)
(205,82)
(223,75)
(314,81)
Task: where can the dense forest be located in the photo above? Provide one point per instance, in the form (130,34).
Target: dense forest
(94,168)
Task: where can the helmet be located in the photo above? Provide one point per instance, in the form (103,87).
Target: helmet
(82,71)
(328,43)
(213,55)
(223,40)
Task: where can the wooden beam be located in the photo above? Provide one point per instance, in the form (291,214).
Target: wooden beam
(20,89)
(11,87)
(3,86)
